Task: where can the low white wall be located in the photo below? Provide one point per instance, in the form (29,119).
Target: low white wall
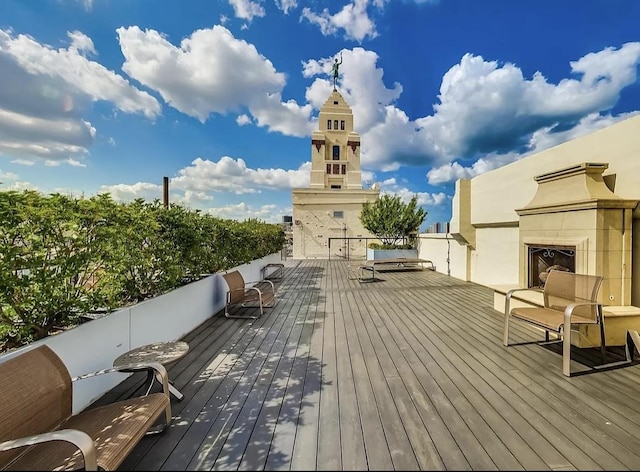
(448,255)
(94,345)
(495,259)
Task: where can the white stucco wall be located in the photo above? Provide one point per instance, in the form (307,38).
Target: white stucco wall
(494,261)
(497,194)
(447,254)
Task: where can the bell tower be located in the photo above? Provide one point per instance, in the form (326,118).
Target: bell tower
(335,148)
(326,215)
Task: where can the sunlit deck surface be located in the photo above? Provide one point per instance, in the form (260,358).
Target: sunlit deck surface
(408,372)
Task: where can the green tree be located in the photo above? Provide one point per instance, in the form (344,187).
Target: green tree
(392,220)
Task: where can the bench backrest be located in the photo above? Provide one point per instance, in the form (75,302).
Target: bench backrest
(235,281)
(35,396)
(563,288)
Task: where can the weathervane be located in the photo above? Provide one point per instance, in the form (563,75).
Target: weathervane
(336,66)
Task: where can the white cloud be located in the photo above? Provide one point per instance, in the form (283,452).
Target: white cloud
(286,5)
(424,198)
(80,42)
(46,91)
(23,162)
(231,175)
(87,4)
(212,72)
(126,192)
(246,9)
(391,187)
(242,211)
(540,140)
(360,84)
(485,109)
(4,176)
(243,120)
(353,19)
(19,186)
(78,72)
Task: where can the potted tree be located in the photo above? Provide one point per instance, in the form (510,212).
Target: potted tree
(394,223)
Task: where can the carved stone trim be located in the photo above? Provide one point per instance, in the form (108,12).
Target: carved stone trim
(318,143)
(353,144)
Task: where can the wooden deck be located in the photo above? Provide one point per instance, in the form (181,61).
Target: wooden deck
(405,373)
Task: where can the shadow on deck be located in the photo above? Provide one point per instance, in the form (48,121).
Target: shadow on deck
(406,374)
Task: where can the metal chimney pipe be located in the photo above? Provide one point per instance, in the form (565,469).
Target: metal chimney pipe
(165,191)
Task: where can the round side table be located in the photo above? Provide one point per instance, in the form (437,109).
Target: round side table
(165,353)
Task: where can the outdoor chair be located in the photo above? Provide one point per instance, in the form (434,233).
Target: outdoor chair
(39,432)
(247,294)
(569,299)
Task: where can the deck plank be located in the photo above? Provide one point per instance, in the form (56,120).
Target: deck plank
(405,372)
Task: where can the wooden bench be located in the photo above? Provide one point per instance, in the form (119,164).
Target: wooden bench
(569,299)
(39,432)
(247,294)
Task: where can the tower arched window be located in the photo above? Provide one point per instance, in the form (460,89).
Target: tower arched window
(336,153)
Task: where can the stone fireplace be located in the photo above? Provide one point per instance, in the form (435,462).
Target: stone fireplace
(574,219)
(542,259)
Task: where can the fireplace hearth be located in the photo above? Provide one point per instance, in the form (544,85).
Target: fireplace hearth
(543,259)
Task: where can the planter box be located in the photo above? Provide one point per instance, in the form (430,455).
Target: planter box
(373,254)
(93,345)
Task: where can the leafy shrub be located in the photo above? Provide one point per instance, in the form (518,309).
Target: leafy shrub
(391,246)
(62,257)
(392,220)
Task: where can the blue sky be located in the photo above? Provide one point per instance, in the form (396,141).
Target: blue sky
(221,96)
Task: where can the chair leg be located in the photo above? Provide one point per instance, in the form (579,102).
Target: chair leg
(505,341)
(566,348)
(603,346)
(633,344)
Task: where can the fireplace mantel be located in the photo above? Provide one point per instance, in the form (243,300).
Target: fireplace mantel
(574,207)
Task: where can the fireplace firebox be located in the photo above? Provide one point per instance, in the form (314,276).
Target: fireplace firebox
(542,259)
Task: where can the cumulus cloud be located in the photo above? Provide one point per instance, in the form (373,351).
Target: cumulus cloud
(19,186)
(130,192)
(243,120)
(361,85)
(212,72)
(540,140)
(485,109)
(4,176)
(45,93)
(390,186)
(243,211)
(233,175)
(353,19)
(246,9)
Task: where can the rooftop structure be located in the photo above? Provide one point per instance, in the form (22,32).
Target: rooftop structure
(327,213)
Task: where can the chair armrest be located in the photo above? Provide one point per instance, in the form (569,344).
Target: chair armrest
(507,299)
(80,439)
(256,282)
(568,311)
(159,369)
(259,293)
